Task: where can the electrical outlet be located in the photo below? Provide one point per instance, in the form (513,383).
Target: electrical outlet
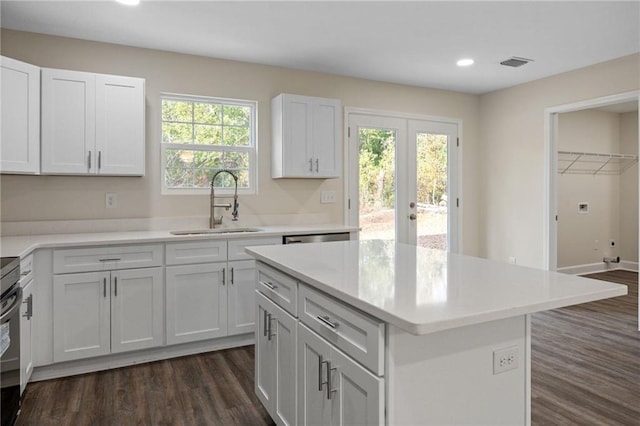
(505,360)
(111,200)
(327,197)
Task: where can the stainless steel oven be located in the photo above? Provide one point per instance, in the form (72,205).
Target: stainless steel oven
(10,301)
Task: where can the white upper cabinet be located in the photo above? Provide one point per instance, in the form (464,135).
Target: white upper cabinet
(20,117)
(120,125)
(305,137)
(92,123)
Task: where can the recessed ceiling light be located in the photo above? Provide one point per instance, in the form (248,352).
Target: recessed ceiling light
(465,62)
(129,2)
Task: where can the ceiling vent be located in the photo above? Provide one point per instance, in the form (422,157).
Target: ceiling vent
(515,62)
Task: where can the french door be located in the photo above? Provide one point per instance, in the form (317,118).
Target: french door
(403,180)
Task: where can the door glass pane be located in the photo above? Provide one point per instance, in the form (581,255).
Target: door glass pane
(377,183)
(432,203)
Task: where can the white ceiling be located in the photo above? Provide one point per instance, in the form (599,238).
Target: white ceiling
(415,43)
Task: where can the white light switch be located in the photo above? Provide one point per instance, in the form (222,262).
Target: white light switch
(328,197)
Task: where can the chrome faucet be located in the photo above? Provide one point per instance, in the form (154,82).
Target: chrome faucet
(212,219)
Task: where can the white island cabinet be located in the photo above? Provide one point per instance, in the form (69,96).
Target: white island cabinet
(393,334)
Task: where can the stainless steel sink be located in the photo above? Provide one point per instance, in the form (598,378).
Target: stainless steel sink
(215,231)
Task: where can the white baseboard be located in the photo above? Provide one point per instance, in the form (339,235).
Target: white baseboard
(90,365)
(592,268)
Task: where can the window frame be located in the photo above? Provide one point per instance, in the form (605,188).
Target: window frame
(251,149)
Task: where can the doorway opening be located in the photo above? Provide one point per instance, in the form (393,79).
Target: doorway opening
(591,199)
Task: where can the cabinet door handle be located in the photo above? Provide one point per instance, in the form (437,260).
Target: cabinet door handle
(104,287)
(264,322)
(326,320)
(321,361)
(89,161)
(99,160)
(110,259)
(115,282)
(231,275)
(329,389)
(310,164)
(224,276)
(270,333)
(29,302)
(268,284)
(317,165)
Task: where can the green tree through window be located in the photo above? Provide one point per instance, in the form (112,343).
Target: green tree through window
(203,135)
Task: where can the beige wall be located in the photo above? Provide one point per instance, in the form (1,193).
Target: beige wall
(584,238)
(29,198)
(512,155)
(629,189)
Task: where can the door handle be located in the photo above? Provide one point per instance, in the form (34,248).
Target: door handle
(89,161)
(317,165)
(224,276)
(310,164)
(270,333)
(413,216)
(104,287)
(115,282)
(231,275)
(99,160)
(412,205)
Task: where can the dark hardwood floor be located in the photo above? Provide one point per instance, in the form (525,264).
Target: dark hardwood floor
(586,361)
(585,371)
(214,388)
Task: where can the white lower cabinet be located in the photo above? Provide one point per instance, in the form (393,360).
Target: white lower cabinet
(334,389)
(275,360)
(26,339)
(241,297)
(196,302)
(97,313)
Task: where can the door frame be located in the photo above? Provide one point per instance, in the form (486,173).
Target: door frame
(455,246)
(550,195)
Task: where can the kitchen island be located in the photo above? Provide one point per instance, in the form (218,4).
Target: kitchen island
(374,332)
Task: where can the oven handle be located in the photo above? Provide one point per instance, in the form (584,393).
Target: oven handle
(16,306)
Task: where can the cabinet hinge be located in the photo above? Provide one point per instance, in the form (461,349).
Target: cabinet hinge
(457,141)
(457,202)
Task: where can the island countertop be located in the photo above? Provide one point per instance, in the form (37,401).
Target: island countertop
(422,290)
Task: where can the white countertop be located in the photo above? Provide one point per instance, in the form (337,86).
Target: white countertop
(22,245)
(423,291)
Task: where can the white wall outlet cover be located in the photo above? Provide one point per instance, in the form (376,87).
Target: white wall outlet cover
(111,200)
(328,197)
(505,359)
(583,208)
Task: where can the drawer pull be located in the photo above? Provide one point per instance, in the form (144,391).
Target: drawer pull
(111,259)
(326,320)
(25,273)
(268,284)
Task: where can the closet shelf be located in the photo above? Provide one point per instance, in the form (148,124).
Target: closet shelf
(589,163)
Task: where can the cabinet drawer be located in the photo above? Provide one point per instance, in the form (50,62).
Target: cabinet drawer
(354,332)
(196,252)
(280,288)
(106,258)
(236,247)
